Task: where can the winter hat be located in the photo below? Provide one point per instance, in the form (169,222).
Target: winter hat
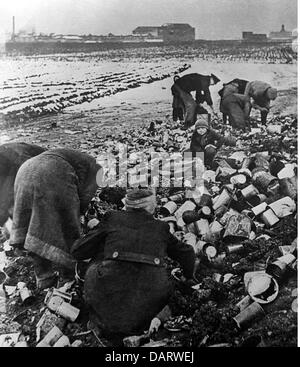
(202,122)
(272,93)
(140,199)
(215,78)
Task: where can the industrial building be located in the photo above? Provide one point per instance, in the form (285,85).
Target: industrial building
(254,37)
(169,32)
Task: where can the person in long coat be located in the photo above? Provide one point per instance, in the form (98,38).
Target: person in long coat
(184,105)
(51,191)
(12,156)
(126,283)
(236,106)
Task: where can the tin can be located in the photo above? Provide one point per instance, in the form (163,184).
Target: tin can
(202,227)
(67,297)
(215,232)
(223,199)
(263,180)
(68,311)
(277,269)
(238,226)
(190,239)
(269,218)
(190,216)
(63,309)
(257,199)
(259,209)
(249,191)
(177,197)
(234,249)
(169,208)
(244,303)
(51,338)
(205,212)
(188,205)
(252,312)
(238,180)
(62,342)
(288,259)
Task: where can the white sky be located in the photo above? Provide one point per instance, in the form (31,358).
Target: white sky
(213,19)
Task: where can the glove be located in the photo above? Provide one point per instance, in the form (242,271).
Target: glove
(154,326)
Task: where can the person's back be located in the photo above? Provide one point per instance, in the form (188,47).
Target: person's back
(12,156)
(126,283)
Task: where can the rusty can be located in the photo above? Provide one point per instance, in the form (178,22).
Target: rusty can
(177,197)
(264,180)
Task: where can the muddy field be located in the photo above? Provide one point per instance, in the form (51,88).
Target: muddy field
(98,125)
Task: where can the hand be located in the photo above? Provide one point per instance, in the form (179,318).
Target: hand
(154,326)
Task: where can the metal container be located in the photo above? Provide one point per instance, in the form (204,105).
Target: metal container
(63,309)
(188,205)
(277,269)
(169,208)
(249,191)
(62,342)
(202,227)
(244,303)
(190,239)
(25,294)
(51,338)
(263,288)
(190,216)
(269,218)
(263,180)
(177,197)
(259,209)
(238,226)
(234,249)
(252,312)
(223,199)
(205,212)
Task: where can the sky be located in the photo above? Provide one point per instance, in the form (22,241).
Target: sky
(213,19)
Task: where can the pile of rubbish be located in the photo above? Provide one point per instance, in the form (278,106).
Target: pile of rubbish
(241,221)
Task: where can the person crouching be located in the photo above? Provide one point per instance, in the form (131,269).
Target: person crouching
(207,140)
(51,191)
(126,283)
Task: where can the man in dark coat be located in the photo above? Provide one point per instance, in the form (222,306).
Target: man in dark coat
(236,106)
(183,100)
(126,283)
(51,191)
(12,156)
(207,140)
(261,95)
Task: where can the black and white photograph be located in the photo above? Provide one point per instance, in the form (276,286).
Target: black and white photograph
(148,176)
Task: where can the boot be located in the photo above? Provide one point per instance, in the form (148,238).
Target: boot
(44,274)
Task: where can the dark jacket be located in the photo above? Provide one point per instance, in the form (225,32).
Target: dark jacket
(241,86)
(199,83)
(199,142)
(126,284)
(12,156)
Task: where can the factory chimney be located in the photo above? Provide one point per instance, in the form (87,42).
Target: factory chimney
(13,30)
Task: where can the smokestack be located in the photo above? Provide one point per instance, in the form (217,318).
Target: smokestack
(13,32)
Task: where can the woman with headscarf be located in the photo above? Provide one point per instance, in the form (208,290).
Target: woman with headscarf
(12,156)
(126,283)
(51,191)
